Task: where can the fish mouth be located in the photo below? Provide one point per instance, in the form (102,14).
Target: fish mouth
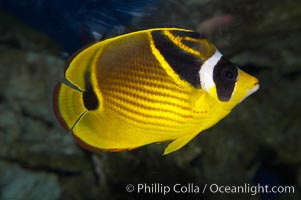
(251,91)
(256,87)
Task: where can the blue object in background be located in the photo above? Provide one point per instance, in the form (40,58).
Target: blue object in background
(273,173)
(74,23)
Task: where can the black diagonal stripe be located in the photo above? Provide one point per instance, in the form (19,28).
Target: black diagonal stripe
(182,62)
(183,34)
(195,45)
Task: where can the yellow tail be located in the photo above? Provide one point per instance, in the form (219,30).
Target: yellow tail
(68,105)
(69,100)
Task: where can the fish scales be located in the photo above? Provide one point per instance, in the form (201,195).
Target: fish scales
(123,87)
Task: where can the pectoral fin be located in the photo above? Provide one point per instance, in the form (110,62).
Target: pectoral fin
(178,143)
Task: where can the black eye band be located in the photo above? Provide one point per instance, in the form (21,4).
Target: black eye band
(224,76)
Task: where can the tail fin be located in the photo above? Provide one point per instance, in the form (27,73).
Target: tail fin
(68,105)
(69,99)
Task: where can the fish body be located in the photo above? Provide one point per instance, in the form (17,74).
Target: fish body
(149,86)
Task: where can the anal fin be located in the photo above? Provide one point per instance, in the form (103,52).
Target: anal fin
(178,143)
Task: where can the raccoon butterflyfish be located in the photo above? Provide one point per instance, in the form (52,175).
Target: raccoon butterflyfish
(150,86)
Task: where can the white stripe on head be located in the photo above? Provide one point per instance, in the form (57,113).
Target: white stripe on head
(206,71)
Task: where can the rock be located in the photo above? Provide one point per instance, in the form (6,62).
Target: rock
(17,183)
(27,125)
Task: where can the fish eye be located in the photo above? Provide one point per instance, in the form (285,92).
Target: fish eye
(228,75)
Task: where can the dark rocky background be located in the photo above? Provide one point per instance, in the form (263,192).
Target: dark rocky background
(259,142)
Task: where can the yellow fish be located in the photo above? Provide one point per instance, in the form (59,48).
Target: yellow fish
(155,85)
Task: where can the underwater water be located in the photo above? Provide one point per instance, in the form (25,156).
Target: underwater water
(258,144)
